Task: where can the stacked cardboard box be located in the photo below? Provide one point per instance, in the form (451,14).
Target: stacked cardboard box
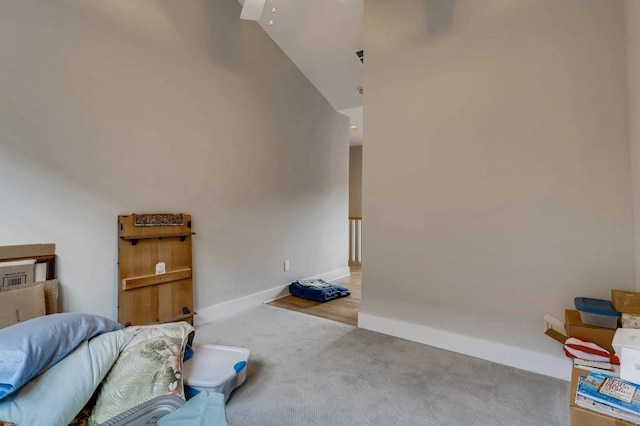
(584,417)
(626,342)
(22,297)
(613,340)
(627,303)
(17,272)
(601,336)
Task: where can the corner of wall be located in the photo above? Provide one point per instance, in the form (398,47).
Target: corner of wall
(235,306)
(546,364)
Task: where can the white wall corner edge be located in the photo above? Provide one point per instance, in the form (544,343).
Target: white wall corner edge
(232,307)
(558,367)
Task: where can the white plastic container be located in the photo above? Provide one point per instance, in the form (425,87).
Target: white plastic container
(629,359)
(215,368)
(626,338)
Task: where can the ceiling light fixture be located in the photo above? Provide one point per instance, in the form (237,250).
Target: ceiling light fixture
(353,126)
(252,9)
(273,12)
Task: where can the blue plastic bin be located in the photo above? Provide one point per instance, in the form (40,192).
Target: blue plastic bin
(597,312)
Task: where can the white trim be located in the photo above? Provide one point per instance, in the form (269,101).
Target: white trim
(327,276)
(333,275)
(232,307)
(284,293)
(549,365)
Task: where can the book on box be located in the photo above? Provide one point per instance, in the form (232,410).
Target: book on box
(605,409)
(612,391)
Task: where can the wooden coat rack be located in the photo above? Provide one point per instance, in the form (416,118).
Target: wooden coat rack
(145,296)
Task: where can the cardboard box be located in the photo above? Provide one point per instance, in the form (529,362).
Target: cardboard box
(583,417)
(43,254)
(626,301)
(17,272)
(602,337)
(28,250)
(50,294)
(21,304)
(554,328)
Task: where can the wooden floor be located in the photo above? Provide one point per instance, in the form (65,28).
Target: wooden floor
(344,309)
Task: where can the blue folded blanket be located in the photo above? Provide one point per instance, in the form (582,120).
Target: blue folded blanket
(318,290)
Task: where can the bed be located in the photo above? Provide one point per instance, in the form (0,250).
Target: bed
(56,368)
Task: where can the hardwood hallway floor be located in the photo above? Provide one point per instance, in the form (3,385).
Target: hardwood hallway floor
(344,309)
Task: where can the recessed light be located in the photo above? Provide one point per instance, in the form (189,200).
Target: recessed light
(353,126)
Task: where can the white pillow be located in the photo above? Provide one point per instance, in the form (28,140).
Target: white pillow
(57,395)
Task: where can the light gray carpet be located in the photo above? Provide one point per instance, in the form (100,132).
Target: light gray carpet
(305,370)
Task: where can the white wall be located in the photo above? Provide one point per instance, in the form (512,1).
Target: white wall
(126,107)
(506,190)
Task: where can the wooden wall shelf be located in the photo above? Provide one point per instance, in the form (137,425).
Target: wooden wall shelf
(134,238)
(155,279)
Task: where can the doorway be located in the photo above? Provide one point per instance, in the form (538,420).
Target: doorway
(344,309)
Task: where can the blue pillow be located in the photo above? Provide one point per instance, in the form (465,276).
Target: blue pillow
(31,347)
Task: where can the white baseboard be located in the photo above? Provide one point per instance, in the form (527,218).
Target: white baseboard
(327,276)
(333,275)
(541,363)
(232,307)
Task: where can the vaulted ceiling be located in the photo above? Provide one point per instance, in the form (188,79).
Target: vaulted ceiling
(321,37)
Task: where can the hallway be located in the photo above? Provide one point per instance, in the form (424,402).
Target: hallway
(343,310)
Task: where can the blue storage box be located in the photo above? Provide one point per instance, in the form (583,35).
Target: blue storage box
(597,312)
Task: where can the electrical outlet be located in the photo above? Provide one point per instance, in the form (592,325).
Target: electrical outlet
(286,265)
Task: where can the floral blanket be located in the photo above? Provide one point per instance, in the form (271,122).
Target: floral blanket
(150,365)
(107,375)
